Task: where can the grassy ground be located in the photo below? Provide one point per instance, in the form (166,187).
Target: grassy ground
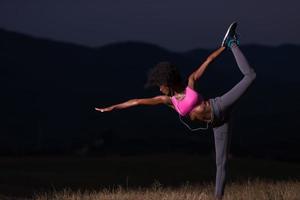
(144,177)
(258,189)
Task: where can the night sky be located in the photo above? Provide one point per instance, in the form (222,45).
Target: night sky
(173,24)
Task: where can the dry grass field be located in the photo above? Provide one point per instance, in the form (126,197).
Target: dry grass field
(250,190)
(168,177)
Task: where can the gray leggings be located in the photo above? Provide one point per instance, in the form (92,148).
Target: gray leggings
(222,107)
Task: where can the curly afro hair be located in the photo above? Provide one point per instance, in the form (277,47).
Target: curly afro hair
(164,73)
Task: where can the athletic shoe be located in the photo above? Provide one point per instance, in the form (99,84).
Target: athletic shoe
(230,36)
(234,40)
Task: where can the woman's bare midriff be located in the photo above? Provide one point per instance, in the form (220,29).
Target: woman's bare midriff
(202,112)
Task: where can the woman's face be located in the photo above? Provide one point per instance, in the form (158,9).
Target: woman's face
(164,89)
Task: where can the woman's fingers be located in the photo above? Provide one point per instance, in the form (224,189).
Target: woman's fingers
(104,109)
(99,109)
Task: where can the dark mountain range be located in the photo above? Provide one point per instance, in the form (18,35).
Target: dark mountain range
(49,90)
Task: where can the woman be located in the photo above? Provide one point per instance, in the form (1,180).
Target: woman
(187,102)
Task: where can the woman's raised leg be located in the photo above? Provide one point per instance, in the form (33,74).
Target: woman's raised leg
(229,98)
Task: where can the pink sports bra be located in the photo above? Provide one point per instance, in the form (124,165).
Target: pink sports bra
(186,105)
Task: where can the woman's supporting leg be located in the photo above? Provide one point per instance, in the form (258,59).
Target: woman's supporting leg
(229,98)
(222,135)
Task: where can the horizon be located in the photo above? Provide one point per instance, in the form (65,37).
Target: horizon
(173,25)
(138,42)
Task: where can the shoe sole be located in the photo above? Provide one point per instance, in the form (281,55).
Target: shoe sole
(228,31)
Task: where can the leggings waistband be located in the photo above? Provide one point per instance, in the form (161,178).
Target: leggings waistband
(217,112)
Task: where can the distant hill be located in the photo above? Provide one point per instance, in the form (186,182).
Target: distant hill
(49,90)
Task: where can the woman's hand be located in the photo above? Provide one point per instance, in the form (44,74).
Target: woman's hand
(105,109)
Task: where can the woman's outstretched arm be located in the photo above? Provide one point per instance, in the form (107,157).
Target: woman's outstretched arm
(134,102)
(198,73)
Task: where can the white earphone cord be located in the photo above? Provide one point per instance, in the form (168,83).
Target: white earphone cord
(193,129)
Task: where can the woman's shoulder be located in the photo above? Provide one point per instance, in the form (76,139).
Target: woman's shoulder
(189,89)
(165,99)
